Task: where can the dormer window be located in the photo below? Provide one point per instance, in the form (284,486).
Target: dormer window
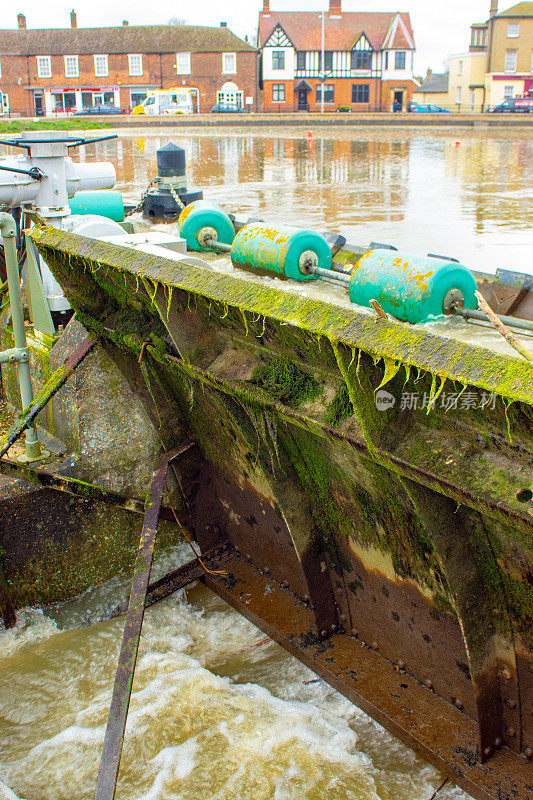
(361,59)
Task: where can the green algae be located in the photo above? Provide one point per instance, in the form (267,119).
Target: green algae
(340,407)
(285,381)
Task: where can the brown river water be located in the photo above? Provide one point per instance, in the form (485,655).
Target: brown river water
(217,711)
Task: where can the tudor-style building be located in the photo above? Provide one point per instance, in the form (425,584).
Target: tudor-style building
(368,59)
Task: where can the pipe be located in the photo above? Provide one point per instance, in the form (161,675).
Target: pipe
(513,322)
(332,275)
(8,231)
(214,245)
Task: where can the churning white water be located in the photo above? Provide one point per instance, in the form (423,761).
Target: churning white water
(217,711)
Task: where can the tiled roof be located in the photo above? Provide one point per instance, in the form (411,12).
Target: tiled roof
(125,39)
(437,83)
(520,10)
(304,29)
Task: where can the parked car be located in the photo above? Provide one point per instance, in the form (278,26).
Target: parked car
(513,104)
(223,108)
(100,109)
(427,108)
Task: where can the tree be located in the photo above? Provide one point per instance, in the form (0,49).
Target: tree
(176,21)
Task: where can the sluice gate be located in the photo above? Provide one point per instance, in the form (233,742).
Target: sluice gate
(377,532)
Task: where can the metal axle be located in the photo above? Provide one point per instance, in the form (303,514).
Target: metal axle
(513,322)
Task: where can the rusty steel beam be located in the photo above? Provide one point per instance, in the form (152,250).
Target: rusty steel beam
(87,491)
(118,712)
(443,734)
(52,385)
(179,578)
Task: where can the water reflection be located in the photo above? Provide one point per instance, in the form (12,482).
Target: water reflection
(464,194)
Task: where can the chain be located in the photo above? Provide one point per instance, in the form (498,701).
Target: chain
(176,198)
(140,204)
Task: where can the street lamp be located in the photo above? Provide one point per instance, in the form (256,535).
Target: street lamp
(322,71)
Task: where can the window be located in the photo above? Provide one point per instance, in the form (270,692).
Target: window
(101,69)
(300,59)
(513,30)
(229,62)
(44,66)
(386,65)
(136,98)
(510,61)
(278,92)
(360,92)
(460,68)
(361,59)
(183,63)
(135,63)
(399,59)
(71,66)
(328,60)
(508,91)
(329,93)
(458,95)
(278,59)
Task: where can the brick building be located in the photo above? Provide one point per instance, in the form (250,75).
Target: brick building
(53,72)
(368,59)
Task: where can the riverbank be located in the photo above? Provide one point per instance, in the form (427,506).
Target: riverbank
(327,120)
(388,120)
(27,124)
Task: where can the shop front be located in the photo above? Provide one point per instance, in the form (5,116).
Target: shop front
(62,101)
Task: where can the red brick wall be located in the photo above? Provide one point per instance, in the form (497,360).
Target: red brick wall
(14,79)
(159,71)
(380,93)
(342,95)
(206,75)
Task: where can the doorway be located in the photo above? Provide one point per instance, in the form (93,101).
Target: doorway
(302,99)
(398,100)
(38,104)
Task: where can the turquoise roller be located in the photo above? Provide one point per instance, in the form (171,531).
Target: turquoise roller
(287,252)
(411,288)
(102,202)
(202,222)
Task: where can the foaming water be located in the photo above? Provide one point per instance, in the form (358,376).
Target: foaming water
(217,711)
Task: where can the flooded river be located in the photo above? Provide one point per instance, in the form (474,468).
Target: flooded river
(218,711)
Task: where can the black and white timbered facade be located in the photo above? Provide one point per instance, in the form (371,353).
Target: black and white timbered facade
(355,65)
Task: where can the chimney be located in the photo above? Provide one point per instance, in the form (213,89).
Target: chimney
(493,8)
(335,8)
(21,19)
(266,7)
(125,23)
(223,24)
(73,19)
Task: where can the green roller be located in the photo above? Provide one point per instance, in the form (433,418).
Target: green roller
(102,202)
(287,252)
(411,288)
(204,221)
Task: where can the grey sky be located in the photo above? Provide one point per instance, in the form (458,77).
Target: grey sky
(441,28)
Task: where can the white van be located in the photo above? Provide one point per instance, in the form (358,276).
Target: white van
(180,100)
